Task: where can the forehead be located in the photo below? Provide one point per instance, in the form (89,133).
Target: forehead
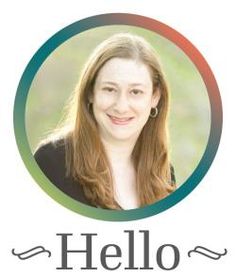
(125,70)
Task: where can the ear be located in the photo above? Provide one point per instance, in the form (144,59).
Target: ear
(155,98)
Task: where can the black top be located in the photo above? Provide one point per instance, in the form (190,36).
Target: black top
(51,160)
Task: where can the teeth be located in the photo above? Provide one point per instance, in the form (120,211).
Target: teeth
(120,119)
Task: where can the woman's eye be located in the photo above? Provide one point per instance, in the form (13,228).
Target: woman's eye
(109,89)
(136,91)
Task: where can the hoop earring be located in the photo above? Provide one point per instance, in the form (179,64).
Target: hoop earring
(154,112)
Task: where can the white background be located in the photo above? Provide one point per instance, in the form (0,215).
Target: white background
(29,217)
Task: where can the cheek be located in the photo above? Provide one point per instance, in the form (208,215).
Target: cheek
(143,106)
(103,102)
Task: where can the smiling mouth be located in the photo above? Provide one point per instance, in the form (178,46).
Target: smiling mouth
(120,120)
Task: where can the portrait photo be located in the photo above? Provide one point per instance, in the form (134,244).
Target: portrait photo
(117,117)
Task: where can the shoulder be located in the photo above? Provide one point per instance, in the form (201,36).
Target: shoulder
(50,157)
(50,149)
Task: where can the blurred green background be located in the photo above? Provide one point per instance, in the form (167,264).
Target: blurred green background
(189,122)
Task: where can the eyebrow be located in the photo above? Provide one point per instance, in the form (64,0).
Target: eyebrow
(115,84)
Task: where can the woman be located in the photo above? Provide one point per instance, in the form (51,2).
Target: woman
(114,152)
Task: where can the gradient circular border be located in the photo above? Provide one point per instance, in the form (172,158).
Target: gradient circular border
(104,20)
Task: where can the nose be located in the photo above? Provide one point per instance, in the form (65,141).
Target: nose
(121,104)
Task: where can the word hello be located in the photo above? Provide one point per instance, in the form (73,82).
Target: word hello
(111,257)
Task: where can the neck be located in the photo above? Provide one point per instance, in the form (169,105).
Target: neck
(119,153)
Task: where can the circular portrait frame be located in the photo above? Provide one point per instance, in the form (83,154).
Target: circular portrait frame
(197,59)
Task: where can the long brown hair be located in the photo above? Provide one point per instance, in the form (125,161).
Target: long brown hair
(86,159)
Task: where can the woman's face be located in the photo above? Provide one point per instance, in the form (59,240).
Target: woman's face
(122,99)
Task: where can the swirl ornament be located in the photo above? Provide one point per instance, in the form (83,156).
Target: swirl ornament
(207,252)
(31,252)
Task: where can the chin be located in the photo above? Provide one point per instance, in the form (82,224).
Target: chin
(124,137)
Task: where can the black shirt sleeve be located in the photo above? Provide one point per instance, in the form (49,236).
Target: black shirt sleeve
(51,160)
